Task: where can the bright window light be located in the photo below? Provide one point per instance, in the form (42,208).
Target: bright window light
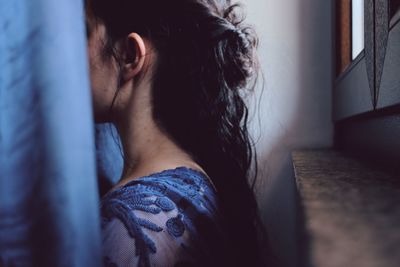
(357,27)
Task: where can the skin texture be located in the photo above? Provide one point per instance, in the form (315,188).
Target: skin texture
(147,148)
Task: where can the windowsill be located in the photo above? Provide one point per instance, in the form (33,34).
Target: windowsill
(351,211)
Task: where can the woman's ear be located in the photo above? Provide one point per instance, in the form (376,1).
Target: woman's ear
(134,57)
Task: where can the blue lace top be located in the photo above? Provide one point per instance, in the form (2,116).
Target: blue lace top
(164,219)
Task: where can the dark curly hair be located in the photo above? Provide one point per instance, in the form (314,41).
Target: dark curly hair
(206,65)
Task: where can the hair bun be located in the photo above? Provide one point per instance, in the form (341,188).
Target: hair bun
(239,46)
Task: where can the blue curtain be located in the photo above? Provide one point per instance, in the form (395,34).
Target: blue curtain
(49,214)
(109,156)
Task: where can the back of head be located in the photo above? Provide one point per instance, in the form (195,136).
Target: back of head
(206,65)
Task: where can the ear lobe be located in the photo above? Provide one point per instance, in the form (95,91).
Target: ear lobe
(135,56)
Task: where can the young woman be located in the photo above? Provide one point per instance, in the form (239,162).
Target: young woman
(171,76)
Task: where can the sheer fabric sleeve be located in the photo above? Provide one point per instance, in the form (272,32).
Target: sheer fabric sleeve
(148,231)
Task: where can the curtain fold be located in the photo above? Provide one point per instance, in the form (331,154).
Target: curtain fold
(49,214)
(109,155)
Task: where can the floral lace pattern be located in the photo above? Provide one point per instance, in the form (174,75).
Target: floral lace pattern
(165,219)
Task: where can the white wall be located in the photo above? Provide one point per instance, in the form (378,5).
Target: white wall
(295,108)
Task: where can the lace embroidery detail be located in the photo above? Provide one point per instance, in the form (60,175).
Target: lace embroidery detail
(165,192)
(123,208)
(175,226)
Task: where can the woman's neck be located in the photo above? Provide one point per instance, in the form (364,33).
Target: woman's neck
(147,149)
